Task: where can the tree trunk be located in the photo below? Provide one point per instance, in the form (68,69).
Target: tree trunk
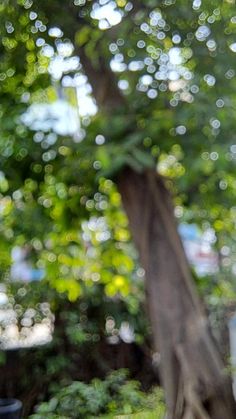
(195,382)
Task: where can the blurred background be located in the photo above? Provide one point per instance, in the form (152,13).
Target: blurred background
(89,89)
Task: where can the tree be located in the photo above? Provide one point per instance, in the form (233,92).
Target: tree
(164,90)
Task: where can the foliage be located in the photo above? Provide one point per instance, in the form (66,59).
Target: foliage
(115,395)
(174,67)
(80,348)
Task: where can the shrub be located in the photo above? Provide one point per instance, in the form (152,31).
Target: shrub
(114,396)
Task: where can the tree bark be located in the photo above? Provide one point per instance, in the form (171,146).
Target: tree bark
(195,382)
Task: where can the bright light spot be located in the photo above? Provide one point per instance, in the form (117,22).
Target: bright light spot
(87,106)
(220,103)
(146,28)
(20,329)
(175,56)
(209,79)
(40,42)
(223,185)
(47,51)
(196,4)
(211,44)
(194,88)
(202,33)
(123,84)
(100,139)
(65,49)
(214,155)
(186,97)
(136,65)
(176,85)
(178,211)
(55,32)
(126,332)
(173,75)
(46,117)
(107,15)
(152,94)
(79,2)
(141,44)
(33,15)
(146,80)
(181,130)
(230,74)
(117,65)
(233,47)
(176,39)
(3,298)
(215,123)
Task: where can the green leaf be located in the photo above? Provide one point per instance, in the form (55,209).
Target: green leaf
(143,157)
